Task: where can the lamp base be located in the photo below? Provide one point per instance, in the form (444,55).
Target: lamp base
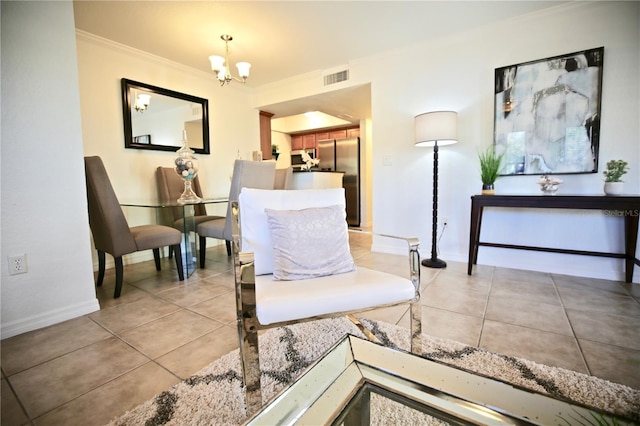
(434,263)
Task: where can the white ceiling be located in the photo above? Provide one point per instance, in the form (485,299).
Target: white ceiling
(283,39)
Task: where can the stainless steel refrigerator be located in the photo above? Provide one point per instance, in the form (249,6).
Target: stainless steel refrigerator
(343,155)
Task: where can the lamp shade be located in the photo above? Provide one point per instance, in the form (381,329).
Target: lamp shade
(217,62)
(440,126)
(144,99)
(243,69)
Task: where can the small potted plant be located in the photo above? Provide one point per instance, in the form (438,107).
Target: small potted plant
(613,183)
(490,165)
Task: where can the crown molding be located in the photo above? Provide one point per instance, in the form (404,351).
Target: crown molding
(131,51)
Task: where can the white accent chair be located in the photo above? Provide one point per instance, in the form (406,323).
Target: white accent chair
(264,302)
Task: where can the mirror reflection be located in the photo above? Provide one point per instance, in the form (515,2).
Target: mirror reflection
(154,118)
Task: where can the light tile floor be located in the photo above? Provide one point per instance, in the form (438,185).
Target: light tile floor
(91,369)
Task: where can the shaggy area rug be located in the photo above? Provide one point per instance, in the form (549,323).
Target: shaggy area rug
(215,395)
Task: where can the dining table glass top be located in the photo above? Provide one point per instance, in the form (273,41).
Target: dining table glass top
(161,204)
(161,216)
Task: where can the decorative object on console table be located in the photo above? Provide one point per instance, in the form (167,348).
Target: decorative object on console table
(490,165)
(549,185)
(187,169)
(433,129)
(274,151)
(613,184)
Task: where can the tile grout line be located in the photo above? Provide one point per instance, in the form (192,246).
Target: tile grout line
(486,306)
(573,332)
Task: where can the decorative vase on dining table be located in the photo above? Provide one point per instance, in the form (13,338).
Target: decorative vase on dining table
(187,169)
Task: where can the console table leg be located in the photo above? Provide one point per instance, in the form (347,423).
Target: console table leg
(474,234)
(630,244)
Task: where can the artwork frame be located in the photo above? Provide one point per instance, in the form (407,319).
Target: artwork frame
(547,114)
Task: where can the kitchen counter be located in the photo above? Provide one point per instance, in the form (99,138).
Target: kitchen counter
(316,180)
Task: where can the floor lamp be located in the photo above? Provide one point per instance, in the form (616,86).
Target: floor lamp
(435,129)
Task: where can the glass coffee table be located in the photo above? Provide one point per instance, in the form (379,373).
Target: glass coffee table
(358,382)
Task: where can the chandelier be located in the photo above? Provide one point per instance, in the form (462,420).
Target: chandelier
(142,102)
(220,65)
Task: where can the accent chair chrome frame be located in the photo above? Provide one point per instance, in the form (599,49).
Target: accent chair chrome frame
(249,325)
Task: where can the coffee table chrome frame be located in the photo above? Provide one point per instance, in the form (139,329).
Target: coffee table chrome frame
(354,367)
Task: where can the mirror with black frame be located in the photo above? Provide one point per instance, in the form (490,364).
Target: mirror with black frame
(154,118)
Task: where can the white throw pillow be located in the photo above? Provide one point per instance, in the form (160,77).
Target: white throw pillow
(309,243)
(255,234)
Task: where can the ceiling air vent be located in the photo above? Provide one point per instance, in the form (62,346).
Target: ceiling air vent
(336,77)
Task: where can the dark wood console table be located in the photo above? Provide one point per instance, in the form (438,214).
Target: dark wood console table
(627,207)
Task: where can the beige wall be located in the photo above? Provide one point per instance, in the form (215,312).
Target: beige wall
(44,207)
(456,72)
(43,193)
(234,125)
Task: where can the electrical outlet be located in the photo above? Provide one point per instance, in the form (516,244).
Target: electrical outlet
(18,264)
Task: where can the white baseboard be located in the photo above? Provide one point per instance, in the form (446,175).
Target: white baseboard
(48,318)
(556,263)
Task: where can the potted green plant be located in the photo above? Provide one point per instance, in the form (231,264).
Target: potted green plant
(490,165)
(613,183)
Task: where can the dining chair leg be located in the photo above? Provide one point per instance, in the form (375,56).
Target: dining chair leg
(228,247)
(156,258)
(178,256)
(119,274)
(101,266)
(170,252)
(203,250)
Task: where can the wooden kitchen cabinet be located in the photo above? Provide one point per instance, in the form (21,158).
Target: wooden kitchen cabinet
(321,136)
(296,143)
(338,134)
(265,134)
(309,141)
(353,133)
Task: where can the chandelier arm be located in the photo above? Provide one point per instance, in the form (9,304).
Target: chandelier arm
(227,77)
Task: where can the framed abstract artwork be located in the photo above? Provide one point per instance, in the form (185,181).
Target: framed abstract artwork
(547,114)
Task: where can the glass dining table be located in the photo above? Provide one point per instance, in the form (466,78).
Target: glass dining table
(163,216)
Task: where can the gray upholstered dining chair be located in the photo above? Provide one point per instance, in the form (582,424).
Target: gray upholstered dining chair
(293,264)
(111,233)
(170,187)
(246,174)
(283,178)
